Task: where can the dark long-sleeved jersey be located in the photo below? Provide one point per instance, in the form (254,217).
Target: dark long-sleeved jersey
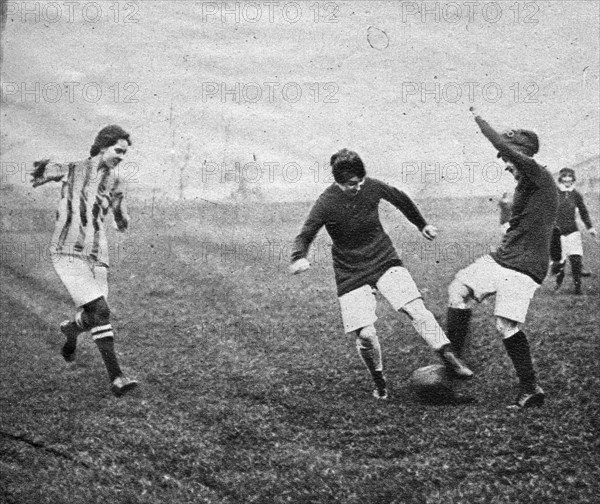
(362,251)
(568,202)
(526,244)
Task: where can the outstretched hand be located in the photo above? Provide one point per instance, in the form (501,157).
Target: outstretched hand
(38,174)
(299,266)
(36,182)
(429,232)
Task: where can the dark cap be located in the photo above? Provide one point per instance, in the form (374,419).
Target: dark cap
(525,141)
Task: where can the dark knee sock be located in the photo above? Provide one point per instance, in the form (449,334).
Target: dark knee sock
(71,344)
(107,350)
(576,268)
(518,350)
(457,328)
(557,267)
(555,246)
(84,320)
(93,314)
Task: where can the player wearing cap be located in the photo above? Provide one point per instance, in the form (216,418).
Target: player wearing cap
(516,269)
(364,259)
(569,201)
(90,188)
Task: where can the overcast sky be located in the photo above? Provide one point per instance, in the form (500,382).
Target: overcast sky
(391,80)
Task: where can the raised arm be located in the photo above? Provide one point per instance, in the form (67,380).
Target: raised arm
(118,205)
(45,171)
(506,149)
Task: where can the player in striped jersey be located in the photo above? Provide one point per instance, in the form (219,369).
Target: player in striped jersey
(79,247)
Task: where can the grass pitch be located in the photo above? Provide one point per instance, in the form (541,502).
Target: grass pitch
(251,393)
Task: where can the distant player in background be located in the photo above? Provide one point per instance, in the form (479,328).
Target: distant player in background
(79,247)
(505,205)
(364,259)
(516,269)
(569,202)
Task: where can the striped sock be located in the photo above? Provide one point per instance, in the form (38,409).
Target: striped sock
(104,338)
(104,331)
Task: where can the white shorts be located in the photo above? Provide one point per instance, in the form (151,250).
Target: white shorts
(571,245)
(85,280)
(513,290)
(358,306)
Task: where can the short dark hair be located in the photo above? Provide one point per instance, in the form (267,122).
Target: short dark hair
(566,172)
(108,136)
(346,164)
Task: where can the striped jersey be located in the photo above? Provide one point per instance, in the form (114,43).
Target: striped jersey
(88,192)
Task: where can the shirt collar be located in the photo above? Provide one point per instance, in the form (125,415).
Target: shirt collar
(563,188)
